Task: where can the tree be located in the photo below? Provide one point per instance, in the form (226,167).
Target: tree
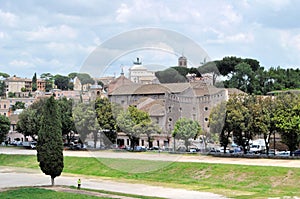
(72,75)
(128,121)
(61,82)
(49,144)
(2,88)
(29,123)
(85,120)
(287,118)
(260,121)
(4,75)
(218,124)
(170,75)
(30,118)
(67,120)
(85,79)
(48,77)
(34,83)
(147,128)
(18,105)
(237,119)
(4,127)
(227,64)
(106,119)
(126,124)
(210,67)
(186,129)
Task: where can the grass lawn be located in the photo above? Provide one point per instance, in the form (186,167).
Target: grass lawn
(38,193)
(236,181)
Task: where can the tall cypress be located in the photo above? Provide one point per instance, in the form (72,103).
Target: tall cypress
(49,144)
(34,83)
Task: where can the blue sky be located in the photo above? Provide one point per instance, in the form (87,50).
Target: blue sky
(59,36)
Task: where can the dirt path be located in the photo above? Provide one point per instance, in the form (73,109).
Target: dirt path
(16,177)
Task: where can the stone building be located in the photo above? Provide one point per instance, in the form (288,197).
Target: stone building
(19,85)
(166,103)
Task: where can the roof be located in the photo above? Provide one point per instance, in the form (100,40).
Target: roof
(232,91)
(177,87)
(138,67)
(153,107)
(140,89)
(148,89)
(118,82)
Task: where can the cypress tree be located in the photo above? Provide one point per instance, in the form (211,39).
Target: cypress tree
(49,144)
(34,83)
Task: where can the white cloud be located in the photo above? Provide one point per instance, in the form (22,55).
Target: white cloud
(123,13)
(8,19)
(20,63)
(290,40)
(54,33)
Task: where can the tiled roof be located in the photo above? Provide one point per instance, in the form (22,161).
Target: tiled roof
(153,107)
(150,88)
(232,91)
(119,82)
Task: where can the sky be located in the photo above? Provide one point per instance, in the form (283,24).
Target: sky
(60,37)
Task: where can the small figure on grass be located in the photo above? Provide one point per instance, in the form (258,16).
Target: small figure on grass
(79,183)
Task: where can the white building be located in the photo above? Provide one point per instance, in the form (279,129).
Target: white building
(140,74)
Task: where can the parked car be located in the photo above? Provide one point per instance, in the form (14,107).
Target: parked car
(139,148)
(296,153)
(283,153)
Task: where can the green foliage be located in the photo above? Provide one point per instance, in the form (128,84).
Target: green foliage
(147,128)
(29,122)
(85,120)
(186,129)
(48,77)
(170,75)
(287,119)
(4,127)
(72,75)
(231,180)
(106,118)
(11,95)
(130,122)
(2,88)
(210,67)
(85,78)
(49,144)
(30,118)
(62,82)
(4,75)
(18,105)
(34,83)
(218,125)
(67,120)
(37,193)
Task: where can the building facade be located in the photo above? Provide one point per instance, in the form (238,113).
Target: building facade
(19,85)
(140,74)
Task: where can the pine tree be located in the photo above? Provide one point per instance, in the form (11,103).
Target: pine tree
(49,144)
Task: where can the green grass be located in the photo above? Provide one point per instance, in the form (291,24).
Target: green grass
(38,193)
(237,181)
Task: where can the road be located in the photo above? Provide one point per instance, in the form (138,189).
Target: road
(14,177)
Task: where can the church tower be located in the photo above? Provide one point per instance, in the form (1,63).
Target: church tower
(182,61)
